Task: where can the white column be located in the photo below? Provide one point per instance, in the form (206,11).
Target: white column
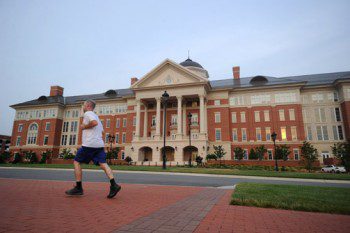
(179,116)
(145,123)
(184,120)
(202,114)
(138,115)
(158,117)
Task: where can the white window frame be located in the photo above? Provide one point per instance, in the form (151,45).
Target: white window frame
(216,134)
(217,117)
(234,117)
(257,116)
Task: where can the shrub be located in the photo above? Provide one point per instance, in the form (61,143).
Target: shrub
(282,152)
(239,153)
(252,154)
(211,157)
(342,152)
(17,158)
(199,160)
(128,159)
(4,157)
(309,155)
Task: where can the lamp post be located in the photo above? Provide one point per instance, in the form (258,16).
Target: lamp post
(274,135)
(189,137)
(165,98)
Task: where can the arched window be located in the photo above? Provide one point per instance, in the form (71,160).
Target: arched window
(32,134)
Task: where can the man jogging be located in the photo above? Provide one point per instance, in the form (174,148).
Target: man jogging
(92,149)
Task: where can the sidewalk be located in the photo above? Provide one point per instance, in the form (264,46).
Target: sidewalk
(41,206)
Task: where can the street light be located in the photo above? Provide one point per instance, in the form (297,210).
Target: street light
(274,135)
(189,137)
(165,98)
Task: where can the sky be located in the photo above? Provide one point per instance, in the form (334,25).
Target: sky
(89,47)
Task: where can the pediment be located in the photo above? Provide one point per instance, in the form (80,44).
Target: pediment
(168,73)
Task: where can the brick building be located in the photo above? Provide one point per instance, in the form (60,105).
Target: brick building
(231,112)
(5,142)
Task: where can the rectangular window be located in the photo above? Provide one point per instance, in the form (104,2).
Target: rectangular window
(236,100)
(124,138)
(283,133)
(245,154)
(258,134)
(46,140)
(20,128)
(234,135)
(325,132)
(108,123)
(123,155)
(64,140)
(322,133)
(317,98)
(340,131)
(218,134)
(320,115)
(67,114)
(154,120)
(124,122)
(336,96)
(335,132)
(294,133)
(217,102)
(74,126)
(65,126)
(268,133)
(117,138)
(260,99)
(117,125)
(337,114)
(173,120)
(257,116)
(244,134)
(269,154)
(296,154)
(107,138)
(47,126)
(309,133)
(281,114)
(72,139)
(267,115)
(243,117)
(292,114)
(18,141)
(234,117)
(217,117)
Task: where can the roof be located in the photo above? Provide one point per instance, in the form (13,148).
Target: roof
(255,81)
(309,80)
(120,93)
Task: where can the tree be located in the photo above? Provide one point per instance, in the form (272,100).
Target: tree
(112,154)
(260,151)
(282,152)
(45,156)
(4,157)
(239,153)
(219,151)
(309,154)
(341,151)
(252,154)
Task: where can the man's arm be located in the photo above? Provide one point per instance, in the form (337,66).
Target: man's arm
(90,125)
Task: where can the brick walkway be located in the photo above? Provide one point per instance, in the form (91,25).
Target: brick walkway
(41,206)
(183,216)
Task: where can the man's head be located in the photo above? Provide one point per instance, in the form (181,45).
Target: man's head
(89,105)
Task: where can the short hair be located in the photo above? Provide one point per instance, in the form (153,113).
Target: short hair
(91,103)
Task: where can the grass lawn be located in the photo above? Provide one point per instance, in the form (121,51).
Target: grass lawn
(218,171)
(293,197)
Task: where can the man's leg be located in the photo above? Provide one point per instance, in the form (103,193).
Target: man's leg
(115,188)
(77,171)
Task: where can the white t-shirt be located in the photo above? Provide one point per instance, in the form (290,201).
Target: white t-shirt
(92,137)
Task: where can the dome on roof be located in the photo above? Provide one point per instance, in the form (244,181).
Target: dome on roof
(259,80)
(189,62)
(42,98)
(110,93)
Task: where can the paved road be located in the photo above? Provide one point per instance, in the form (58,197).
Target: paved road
(154,178)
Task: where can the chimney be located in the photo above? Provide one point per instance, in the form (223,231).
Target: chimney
(236,72)
(133,80)
(56,90)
